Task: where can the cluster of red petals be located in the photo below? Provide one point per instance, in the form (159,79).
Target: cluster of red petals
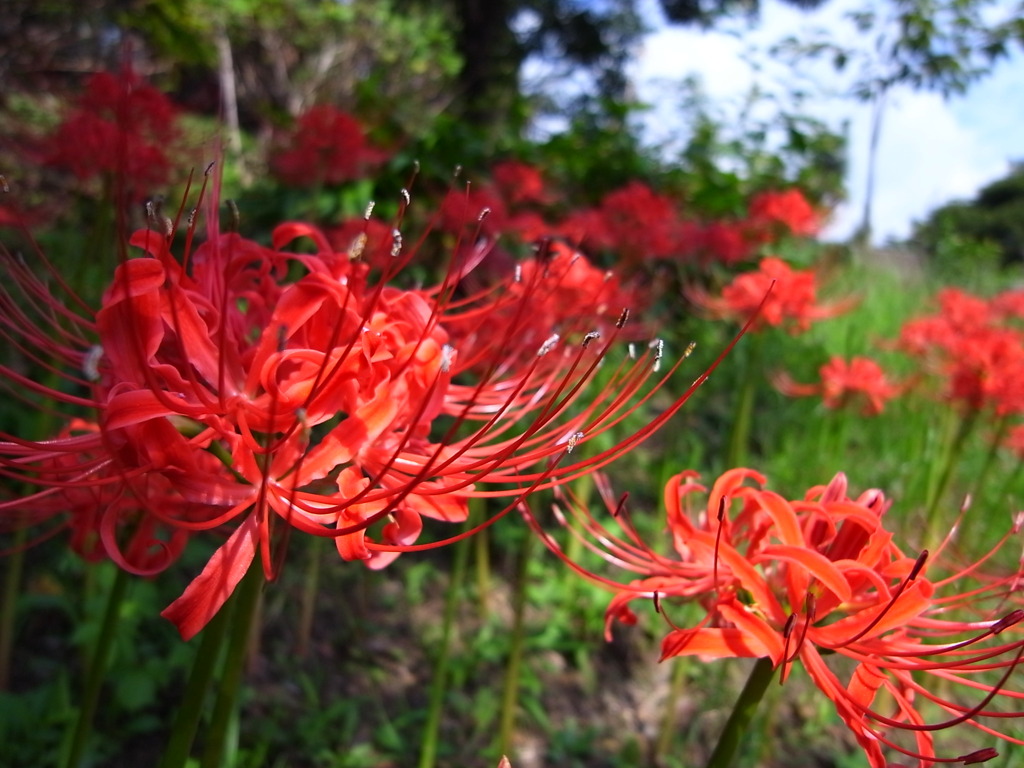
(520,184)
(249,391)
(640,223)
(789,210)
(368,239)
(326,146)
(861,380)
(976,346)
(792,299)
(486,214)
(722,242)
(121,127)
(891,639)
(635,223)
(569,299)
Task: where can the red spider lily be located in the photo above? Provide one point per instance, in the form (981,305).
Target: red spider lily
(724,242)
(368,239)
(972,345)
(641,223)
(520,184)
(327,146)
(475,207)
(792,302)
(567,295)
(121,127)
(789,210)
(861,379)
(890,638)
(254,390)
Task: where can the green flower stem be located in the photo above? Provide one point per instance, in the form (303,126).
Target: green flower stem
(1002,427)
(742,714)
(310,587)
(1006,490)
(221,732)
(668,720)
(743,416)
(482,560)
(97,669)
(190,711)
(439,683)
(940,477)
(510,694)
(8,613)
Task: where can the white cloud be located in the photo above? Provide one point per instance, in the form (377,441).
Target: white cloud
(931,151)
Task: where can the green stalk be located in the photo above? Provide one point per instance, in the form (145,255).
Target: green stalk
(483,572)
(97,669)
(8,613)
(307,604)
(668,720)
(939,481)
(1002,427)
(742,714)
(439,683)
(190,711)
(246,599)
(510,694)
(743,416)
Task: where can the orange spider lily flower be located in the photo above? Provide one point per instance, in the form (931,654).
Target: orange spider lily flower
(820,581)
(788,210)
(252,391)
(793,300)
(975,348)
(861,379)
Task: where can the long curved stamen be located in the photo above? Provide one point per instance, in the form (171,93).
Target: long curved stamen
(918,565)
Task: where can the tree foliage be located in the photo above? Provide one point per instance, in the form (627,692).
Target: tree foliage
(994,217)
(933,45)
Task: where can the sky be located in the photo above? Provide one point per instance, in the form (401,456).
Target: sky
(932,151)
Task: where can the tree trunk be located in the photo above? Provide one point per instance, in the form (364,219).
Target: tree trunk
(491,55)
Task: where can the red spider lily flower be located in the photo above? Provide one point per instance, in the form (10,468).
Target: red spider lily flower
(586,228)
(252,391)
(487,213)
(327,146)
(890,638)
(1008,305)
(861,379)
(793,300)
(642,224)
(121,127)
(367,239)
(789,210)
(474,207)
(973,347)
(568,295)
(520,184)
(724,242)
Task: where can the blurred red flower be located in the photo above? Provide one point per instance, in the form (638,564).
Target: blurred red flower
(520,184)
(791,297)
(789,209)
(326,146)
(973,347)
(641,224)
(859,380)
(121,128)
